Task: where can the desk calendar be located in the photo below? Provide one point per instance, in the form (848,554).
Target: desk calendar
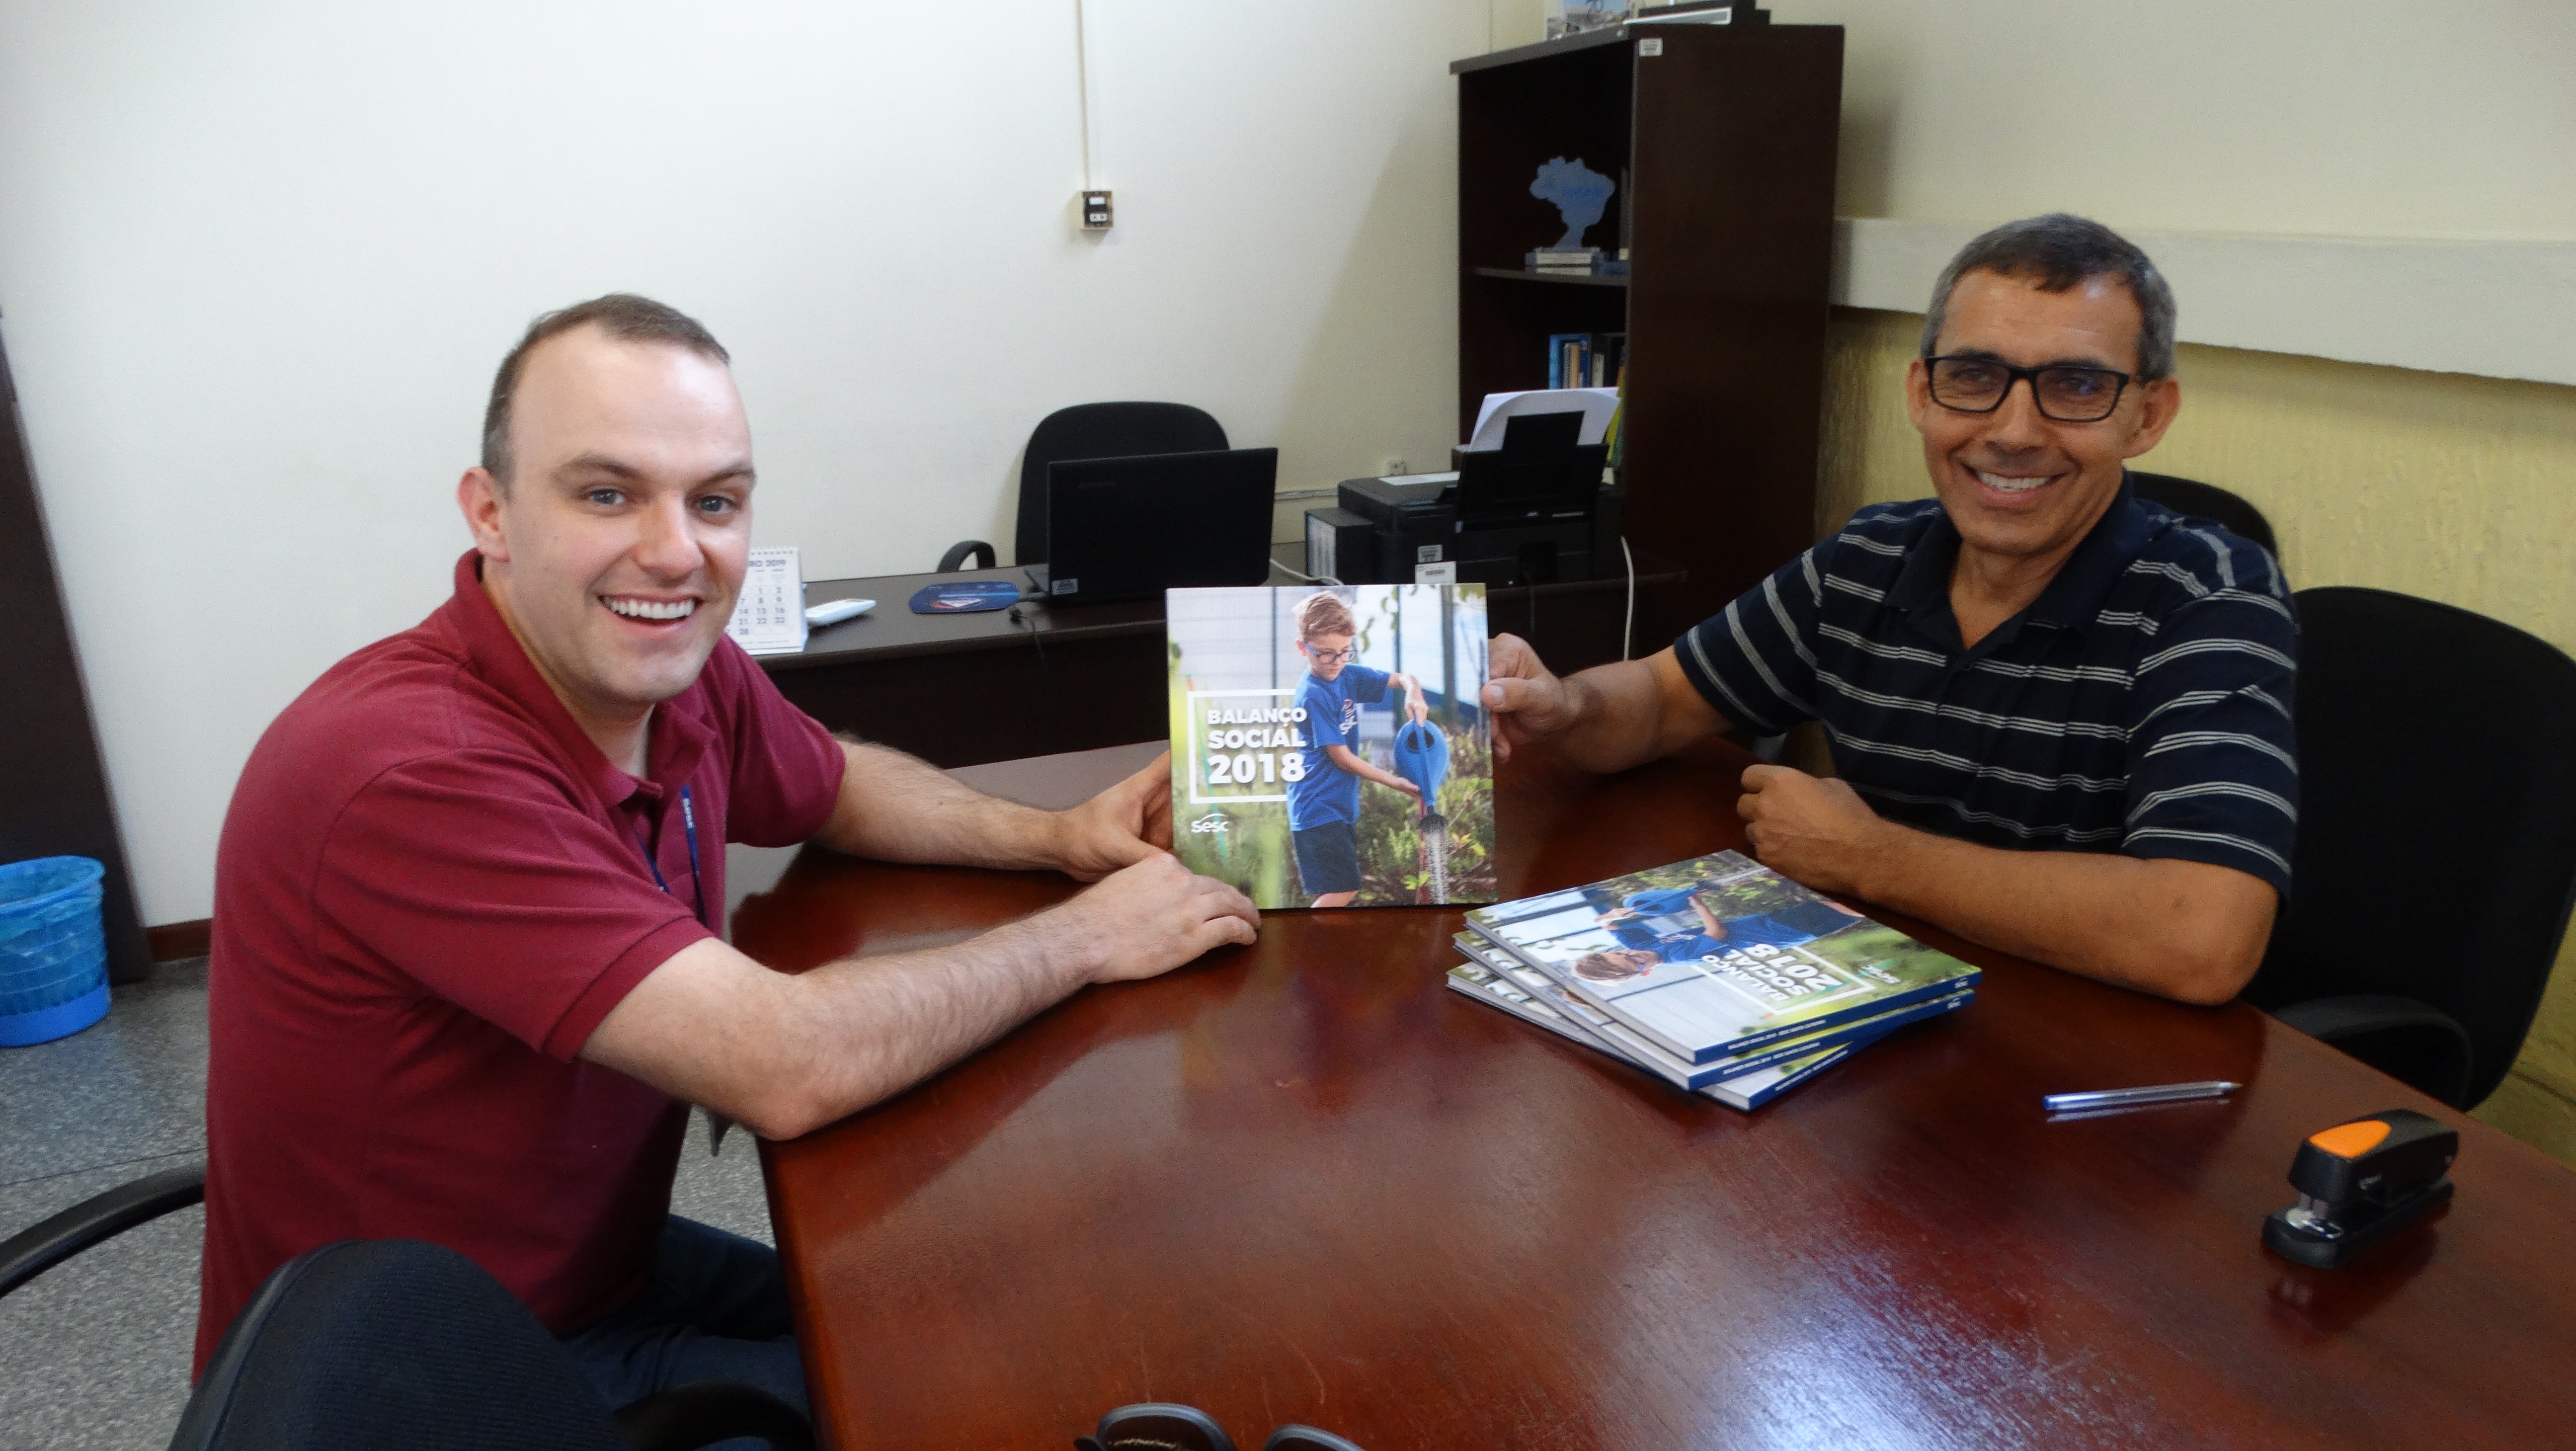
(769,618)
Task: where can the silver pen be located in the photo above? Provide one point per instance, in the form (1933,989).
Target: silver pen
(2131,1097)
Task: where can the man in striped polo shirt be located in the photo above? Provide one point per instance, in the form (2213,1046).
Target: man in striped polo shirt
(2059,714)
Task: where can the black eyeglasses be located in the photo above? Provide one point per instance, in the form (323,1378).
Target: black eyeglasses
(2064,392)
(1329,657)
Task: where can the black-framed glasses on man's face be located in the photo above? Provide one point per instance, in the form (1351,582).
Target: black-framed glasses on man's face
(2065,392)
(1332,657)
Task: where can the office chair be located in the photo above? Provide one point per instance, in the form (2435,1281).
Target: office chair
(2194,499)
(394,1344)
(2430,888)
(1089,430)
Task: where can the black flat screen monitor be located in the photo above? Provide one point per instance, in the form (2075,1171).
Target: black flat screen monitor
(1128,528)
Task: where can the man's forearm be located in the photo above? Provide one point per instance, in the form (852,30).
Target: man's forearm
(2179,929)
(1616,712)
(860,1030)
(900,808)
(785,1055)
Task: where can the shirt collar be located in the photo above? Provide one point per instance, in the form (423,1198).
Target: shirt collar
(2084,581)
(2072,599)
(1923,580)
(680,735)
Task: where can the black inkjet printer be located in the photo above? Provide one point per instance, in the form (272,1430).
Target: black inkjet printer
(1534,511)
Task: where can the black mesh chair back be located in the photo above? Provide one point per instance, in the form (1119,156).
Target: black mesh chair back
(394,1344)
(390,1344)
(2196,500)
(1102,430)
(2436,857)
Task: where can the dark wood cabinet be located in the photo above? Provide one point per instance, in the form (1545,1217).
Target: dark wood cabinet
(1722,142)
(51,773)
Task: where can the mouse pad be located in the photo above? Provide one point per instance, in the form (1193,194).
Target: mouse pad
(965,597)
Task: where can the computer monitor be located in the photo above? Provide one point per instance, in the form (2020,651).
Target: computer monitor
(1128,528)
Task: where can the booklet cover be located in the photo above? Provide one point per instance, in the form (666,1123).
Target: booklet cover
(1714,956)
(1651,1056)
(1748,1091)
(1329,743)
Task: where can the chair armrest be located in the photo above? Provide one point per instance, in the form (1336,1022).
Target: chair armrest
(965,549)
(2340,1021)
(687,1417)
(31,1252)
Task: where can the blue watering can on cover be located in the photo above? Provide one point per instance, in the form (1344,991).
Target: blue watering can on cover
(1422,757)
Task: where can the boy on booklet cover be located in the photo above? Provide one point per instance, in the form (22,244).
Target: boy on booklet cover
(1674,924)
(1324,801)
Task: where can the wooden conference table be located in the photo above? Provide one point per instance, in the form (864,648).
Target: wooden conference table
(1305,1182)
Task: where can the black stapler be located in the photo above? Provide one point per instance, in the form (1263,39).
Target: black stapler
(2360,1182)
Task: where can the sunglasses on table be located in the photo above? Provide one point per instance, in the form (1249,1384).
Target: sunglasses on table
(1165,1426)
(2065,392)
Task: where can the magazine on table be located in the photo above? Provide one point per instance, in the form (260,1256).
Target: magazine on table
(1646,1054)
(1748,1091)
(1330,746)
(1713,958)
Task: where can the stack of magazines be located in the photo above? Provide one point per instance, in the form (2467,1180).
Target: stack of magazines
(1716,974)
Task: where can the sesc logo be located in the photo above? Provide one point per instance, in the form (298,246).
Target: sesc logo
(1214,821)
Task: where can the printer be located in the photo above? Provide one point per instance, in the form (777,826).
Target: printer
(1535,510)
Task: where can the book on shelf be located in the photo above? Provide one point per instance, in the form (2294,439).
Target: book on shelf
(1586,360)
(1575,262)
(1673,1069)
(1330,747)
(1567,354)
(1747,1091)
(1713,958)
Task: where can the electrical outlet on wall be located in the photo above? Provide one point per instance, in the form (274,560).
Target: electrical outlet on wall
(1095,211)
(1394,466)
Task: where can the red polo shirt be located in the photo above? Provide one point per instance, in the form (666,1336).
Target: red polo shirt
(431,888)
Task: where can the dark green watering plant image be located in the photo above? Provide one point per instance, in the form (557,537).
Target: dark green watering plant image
(1329,746)
(1396,858)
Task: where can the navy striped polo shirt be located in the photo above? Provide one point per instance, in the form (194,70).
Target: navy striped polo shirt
(2141,704)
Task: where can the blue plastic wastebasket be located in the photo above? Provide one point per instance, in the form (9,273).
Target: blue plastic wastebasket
(53,950)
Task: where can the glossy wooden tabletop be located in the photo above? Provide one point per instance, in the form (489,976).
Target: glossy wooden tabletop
(1305,1182)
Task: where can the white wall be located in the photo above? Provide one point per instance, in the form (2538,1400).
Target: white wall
(2346,118)
(2377,181)
(258,260)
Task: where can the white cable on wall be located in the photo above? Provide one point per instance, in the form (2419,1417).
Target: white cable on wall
(1082,86)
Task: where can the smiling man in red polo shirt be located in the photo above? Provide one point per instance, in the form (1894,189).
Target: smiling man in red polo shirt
(467,967)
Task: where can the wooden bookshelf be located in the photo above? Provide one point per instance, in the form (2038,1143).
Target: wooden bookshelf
(1723,147)
(1523,274)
